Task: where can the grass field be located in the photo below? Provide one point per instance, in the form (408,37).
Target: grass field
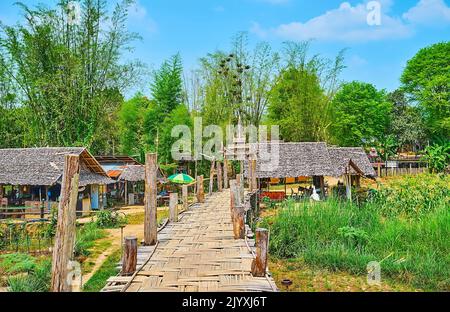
(405,227)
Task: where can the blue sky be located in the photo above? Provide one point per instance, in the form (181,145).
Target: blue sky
(376,54)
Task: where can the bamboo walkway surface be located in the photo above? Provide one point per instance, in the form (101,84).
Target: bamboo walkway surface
(197,254)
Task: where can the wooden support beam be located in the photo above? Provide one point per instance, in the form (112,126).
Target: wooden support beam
(348,186)
(185,197)
(322,187)
(225,174)
(259,265)
(129,261)
(219,177)
(173,207)
(66,226)
(211,177)
(150,199)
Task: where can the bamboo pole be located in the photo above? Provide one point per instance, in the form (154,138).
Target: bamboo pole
(259,265)
(66,226)
(173,207)
(151,225)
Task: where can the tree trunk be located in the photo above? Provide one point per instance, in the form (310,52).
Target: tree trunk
(65,231)
(151,225)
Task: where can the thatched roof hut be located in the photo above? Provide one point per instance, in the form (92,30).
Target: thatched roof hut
(308,160)
(295,160)
(137,174)
(44,166)
(341,156)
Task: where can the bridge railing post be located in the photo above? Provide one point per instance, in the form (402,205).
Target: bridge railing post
(129,261)
(259,265)
(173,207)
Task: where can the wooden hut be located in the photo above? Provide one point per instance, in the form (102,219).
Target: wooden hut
(133,178)
(31,177)
(311,160)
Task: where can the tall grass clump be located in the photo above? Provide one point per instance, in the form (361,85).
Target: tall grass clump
(410,237)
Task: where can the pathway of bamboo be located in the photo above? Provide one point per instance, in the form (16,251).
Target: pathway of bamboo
(199,254)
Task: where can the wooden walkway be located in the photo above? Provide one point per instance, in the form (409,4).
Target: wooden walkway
(197,254)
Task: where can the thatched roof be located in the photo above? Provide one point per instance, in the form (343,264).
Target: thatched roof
(295,160)
(308,160)
(137,174)
(341,156)
(44,166)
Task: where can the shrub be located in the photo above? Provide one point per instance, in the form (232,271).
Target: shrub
(37,280)
(109,219)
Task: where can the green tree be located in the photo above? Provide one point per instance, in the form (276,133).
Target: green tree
(406,122)
(300,99)
(131,125)
(426,79)
(360,115)
(69,77)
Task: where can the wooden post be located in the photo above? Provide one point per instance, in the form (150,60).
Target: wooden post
(322,186)
(239,222)
(66,226)
(348,184)
(219,177)
(129,261)
(379,169)
(200,190)
(185,196)
(234,196)
(126,192)
(173,207)
(241,186)
(254,181)
(225,174)
(211,177)
(259,265)
(249,175)
(151,225)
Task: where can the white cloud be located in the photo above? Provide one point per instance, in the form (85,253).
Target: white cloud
(429,12)
(138,16)
(347,23)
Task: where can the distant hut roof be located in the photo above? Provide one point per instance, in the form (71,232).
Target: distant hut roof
(44,166)
(295,160)
(341,156)
(119,160)
(137,174)
(308,160)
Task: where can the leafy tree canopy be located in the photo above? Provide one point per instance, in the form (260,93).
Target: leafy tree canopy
(360,114)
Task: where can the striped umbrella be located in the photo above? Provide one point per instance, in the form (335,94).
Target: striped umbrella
(181,179)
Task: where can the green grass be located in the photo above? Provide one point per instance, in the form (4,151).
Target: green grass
(86,237)
(108,269)
(412,244)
